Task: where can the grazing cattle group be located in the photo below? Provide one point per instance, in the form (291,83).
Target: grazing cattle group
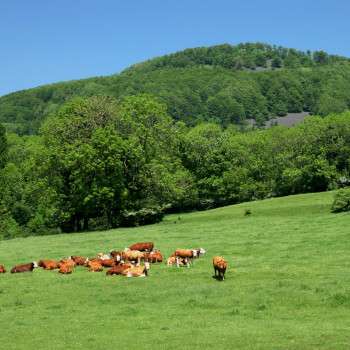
(131,262)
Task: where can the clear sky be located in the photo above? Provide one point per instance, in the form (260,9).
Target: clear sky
(45,41)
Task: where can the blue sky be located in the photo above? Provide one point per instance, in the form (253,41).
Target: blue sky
(45,41)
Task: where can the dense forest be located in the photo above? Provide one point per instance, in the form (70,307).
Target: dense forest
(100,163)
(169,135)
(222,84)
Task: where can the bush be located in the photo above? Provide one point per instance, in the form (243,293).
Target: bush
(341,201)
(145,216)
(21,213)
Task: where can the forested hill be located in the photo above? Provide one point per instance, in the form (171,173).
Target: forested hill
(225,84)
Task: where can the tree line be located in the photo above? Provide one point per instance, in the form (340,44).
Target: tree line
(223,84)
(99,162)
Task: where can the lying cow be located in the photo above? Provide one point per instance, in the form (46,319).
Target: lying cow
(118,269)
(67,261)
(142,247)
(2,269)
(172,261)
(79,260)
(24,267)
(95,265)
(104,256)
(48,264)
(137,271)
(66,268)
(220,266)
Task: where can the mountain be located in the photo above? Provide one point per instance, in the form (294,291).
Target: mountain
(224,83)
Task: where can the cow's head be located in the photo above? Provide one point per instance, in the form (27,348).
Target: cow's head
(35,264)
(202,251)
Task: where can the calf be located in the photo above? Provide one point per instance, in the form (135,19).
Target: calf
(220,266)
(142,247)
(48,264)
(172,261)
(187,254)
(2,269)
(24,267)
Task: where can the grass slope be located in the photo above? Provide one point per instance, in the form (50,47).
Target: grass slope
(288,286)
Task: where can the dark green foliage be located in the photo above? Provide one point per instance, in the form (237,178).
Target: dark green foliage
(224,83)
(3,147)
(21,213)
(341,201)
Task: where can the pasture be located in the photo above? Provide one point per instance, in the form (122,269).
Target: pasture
(287,286)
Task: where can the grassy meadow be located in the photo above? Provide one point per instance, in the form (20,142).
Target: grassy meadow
(287,286)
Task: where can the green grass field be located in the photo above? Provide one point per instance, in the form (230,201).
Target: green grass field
(287,287)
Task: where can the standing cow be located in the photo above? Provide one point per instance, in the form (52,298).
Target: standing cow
(220,266)
(142,247)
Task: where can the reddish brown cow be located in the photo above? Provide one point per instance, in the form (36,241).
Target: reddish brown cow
(2,269)
(186,254)
(66,268)
(220,266)
(24,267)
(79,260)
(153,257)
(142,247)
(95,266)
(48,264)
(67,261)
(108,262)
(118,269)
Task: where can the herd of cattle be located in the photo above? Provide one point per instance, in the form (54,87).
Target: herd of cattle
(131,262)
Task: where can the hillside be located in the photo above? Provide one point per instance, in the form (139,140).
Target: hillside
(287,287)
(226,84)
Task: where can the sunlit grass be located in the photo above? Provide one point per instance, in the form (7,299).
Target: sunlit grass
(287,286)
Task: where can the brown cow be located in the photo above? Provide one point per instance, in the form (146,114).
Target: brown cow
(118,269)
(153,257)
(142,247)
(108,262)
(133,255)
(66,268)
(137,271)
(48,264)
(67,261)
(79,260)
(220,266)
(24,267)
(187,254)
(2,269)
(95,265)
